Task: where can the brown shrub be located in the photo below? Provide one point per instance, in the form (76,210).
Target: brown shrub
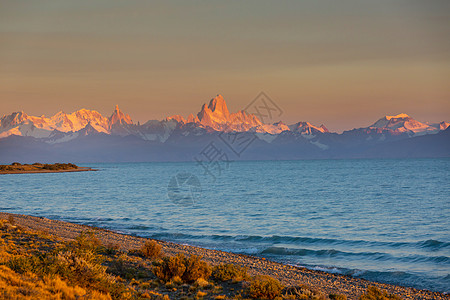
(170,267)
(264,287)
(337,297)
(374,293)
(151,249)
(188,269)
(225,272)
(195,269)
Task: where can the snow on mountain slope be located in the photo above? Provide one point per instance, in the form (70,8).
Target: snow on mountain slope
(19,123)
(440,126)
(306,128)
(402,123)
(213,117)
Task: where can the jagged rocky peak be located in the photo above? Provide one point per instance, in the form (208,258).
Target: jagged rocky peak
(119,117)
(191,119)
(215,112)
(218,106)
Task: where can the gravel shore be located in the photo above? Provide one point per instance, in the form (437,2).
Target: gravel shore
(288,275)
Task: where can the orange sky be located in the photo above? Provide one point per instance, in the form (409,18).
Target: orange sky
(342,64)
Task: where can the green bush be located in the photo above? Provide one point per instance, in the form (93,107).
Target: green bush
(374,293)
(188,269)
(264,287)
(225,272)
(151,249)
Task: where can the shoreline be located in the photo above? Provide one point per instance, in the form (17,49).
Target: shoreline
(80,169)
(287,274)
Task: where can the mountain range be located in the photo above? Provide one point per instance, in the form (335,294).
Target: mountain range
(86,136)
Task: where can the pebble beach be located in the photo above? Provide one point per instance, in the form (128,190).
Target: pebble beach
(287,274)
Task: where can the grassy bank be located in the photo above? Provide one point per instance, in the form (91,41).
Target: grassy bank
(39,265)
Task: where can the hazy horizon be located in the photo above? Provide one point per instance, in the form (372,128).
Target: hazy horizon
(343,65)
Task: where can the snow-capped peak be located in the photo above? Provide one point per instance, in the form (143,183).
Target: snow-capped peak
(13,119)
(402,123)
(307,128)
(399,116)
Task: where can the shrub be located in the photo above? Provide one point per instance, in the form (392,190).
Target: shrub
(227,272)
(264,287)
(57,166)
(188,269)
(195,269)
(170,267)
(151,249)
(86,242)
(306,292)
(49,167)
(374,293)
(16,164)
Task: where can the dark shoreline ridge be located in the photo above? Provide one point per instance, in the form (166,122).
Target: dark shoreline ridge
(18,168)
(289,275)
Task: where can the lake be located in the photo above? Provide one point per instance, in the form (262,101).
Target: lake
(382,220)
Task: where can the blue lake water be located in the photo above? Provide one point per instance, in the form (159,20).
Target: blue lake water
(382,220)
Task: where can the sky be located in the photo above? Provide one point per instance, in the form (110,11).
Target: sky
(343,64)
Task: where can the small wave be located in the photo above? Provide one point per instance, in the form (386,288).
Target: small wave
(430,245)
(281,251)
(138,227)
(276,239)
(434,244)
(9,208)
(103,219)
(379,256)
(333,270)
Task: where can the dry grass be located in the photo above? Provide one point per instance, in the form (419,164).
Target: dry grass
(29,286)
